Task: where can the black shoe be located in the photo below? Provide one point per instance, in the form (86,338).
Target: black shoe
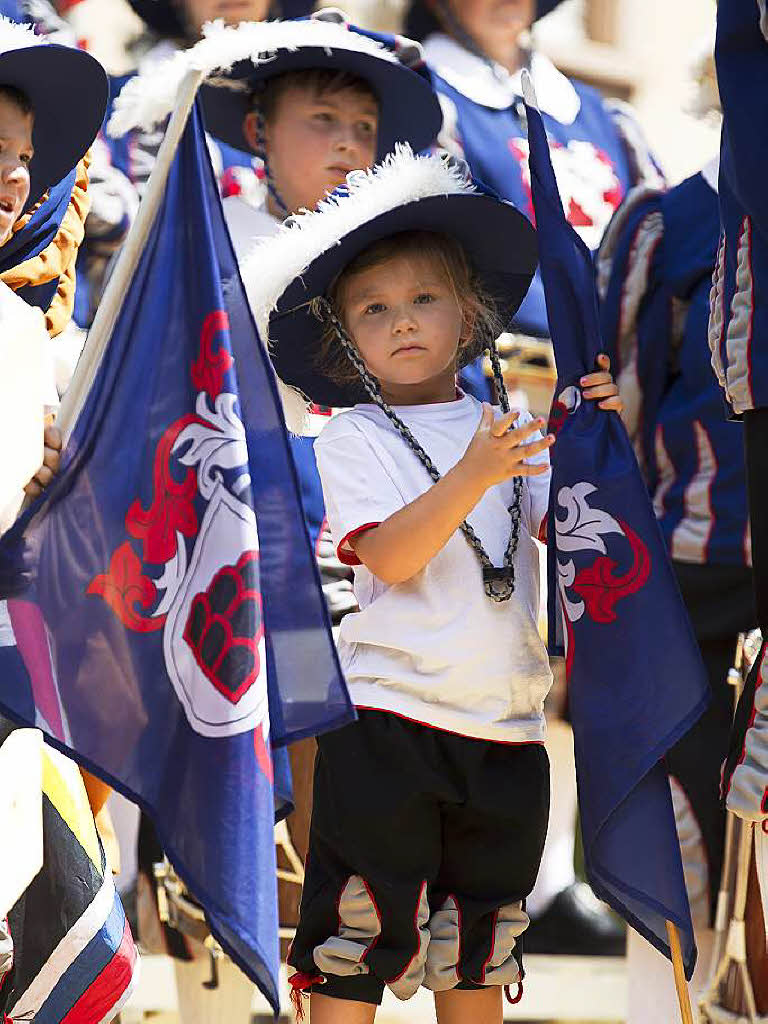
(576,923)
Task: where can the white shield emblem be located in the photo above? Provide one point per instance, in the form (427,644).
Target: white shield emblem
(213,637)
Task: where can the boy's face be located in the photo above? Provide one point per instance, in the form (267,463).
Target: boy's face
(232,11)
(16,153)
(314,140)
(406,322)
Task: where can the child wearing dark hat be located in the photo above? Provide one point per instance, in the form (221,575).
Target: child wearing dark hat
(430,811)
(43,201)
(174,26)
(476,50)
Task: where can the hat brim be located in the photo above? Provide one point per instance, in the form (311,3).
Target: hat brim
(68,91)
(408,108)
(498,240)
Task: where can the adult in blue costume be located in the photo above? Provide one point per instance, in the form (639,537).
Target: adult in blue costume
(476,51)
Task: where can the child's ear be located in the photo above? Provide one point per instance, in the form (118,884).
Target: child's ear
(251,126)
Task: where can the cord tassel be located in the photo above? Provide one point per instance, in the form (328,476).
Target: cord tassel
(519,995)
(301,984)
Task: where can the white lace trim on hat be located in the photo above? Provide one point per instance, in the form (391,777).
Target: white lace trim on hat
(401,178)
(17,37)
(149,97)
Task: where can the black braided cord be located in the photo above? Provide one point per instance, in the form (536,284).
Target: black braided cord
(261,152)
(499,582)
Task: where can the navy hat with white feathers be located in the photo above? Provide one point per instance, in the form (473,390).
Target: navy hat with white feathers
(67,90)
(406,192)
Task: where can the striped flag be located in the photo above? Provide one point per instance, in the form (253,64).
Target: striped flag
(77,964)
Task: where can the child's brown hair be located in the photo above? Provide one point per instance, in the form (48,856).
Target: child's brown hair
(17,97)
(479,314)
(318,81)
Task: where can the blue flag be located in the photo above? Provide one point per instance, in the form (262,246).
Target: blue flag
(164,621)
(636,679)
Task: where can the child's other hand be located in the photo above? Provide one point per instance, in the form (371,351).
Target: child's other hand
(600,386)
(50,467)
(498,450)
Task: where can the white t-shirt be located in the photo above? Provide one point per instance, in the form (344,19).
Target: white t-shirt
(246,223)
(436,649)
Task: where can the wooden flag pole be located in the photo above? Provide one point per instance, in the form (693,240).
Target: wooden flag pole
(130,254)
(683,995)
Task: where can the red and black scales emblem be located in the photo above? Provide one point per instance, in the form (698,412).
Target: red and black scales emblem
(225,625)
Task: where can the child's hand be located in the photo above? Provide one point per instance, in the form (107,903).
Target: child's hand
(50,466)
(498,451)
(600,386)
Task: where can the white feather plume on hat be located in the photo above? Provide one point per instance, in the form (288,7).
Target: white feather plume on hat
(402,177)
(14,36)
(148,98)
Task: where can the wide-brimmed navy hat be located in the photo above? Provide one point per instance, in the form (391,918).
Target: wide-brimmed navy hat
(421,21)
(164,16)
(67,89)
(392,66)
(285,272)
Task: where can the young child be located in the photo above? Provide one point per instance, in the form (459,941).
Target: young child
(477,50)
(430,811)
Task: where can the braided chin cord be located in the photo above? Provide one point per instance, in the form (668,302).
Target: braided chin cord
(499,582)
(261,152)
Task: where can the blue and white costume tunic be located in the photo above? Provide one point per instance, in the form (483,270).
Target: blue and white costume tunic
(598,151)
(738,332)
(654,273)
(739,313)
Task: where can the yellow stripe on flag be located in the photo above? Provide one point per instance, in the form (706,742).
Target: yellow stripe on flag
(63,785)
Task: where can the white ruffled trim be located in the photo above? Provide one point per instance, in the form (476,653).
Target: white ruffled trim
(273,263)
(14,36)
(149,97)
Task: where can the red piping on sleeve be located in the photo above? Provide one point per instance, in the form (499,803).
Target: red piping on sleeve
(343,549)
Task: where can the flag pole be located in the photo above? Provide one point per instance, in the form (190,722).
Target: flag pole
(130,254)
(683,995)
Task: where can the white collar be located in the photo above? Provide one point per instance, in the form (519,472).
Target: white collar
(495,87)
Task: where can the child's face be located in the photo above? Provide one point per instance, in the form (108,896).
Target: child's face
(406,322)
(16,153)
(232,11)
(315,139)
(494,24)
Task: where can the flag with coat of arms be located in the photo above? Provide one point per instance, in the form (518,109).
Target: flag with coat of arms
(164,621)
(636,681)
